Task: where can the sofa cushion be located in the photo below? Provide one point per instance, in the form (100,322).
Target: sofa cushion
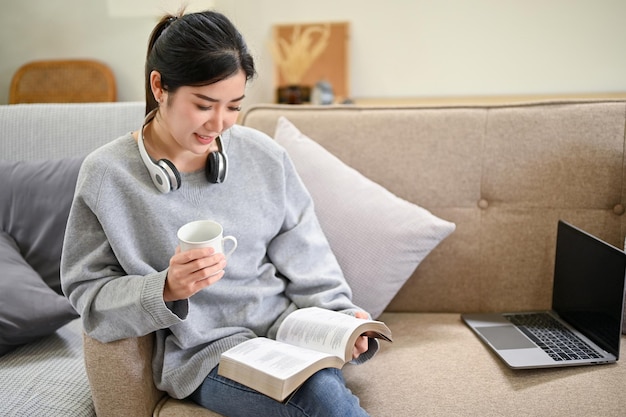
(378,238)
(34,204)
(47,377)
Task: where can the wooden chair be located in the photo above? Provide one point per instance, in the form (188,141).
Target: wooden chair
(63,81)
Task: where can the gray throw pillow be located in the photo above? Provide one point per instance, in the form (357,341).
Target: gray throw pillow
(35,200)
(29,309)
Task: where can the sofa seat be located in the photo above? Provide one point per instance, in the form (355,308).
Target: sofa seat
(436,366)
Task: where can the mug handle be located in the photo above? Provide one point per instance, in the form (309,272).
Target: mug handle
(233,240)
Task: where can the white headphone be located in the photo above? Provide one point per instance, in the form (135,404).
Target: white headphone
(164,174)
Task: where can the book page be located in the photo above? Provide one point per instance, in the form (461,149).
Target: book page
(319,329)
(272,357)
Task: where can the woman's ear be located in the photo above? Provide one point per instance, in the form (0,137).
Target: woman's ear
(156,86)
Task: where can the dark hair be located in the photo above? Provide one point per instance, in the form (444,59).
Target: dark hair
(195,49)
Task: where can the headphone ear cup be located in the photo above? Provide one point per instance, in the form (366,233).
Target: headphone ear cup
(172,173)
(163,173)
(216,167)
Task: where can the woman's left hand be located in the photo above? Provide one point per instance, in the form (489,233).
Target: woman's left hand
(361,345)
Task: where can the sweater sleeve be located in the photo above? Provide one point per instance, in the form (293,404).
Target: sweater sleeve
(112,304)
(302,254)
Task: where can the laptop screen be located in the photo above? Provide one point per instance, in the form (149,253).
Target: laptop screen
(588,290)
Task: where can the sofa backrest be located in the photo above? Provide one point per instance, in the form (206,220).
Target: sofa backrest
(54,131)
(504,174)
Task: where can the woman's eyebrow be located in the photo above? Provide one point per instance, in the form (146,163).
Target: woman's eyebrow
(212,100)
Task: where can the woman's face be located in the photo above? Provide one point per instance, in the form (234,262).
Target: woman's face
(195,116)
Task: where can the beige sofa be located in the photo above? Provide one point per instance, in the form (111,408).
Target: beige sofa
(504,174)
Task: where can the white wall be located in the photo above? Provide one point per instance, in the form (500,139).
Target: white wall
(59,29)
(424,48)
(399,48)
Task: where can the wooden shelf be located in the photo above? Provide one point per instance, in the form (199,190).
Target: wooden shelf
(482,100)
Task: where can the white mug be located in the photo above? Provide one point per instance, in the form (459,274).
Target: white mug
(204,234)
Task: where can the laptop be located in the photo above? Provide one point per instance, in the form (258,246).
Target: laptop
(585,322)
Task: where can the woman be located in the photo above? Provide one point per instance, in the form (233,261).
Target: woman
(122,269)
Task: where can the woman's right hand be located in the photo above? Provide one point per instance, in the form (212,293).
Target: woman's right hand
(191,271)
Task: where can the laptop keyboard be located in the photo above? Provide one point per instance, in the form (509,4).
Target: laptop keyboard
(551,336)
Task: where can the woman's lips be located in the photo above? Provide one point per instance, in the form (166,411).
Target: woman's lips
(205,140)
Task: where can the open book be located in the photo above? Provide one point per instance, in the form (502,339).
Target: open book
(308,340)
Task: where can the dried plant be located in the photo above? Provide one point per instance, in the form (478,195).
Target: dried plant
(295,57)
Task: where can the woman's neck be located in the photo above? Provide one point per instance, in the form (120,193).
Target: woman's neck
(160,144)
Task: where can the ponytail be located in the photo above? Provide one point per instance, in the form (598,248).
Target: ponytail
(158,30)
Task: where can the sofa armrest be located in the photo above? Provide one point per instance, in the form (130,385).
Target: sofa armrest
(120,376)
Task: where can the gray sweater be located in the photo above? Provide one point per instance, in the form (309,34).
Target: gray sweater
(121,234)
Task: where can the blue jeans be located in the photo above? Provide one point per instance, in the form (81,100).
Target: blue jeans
(324,394)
